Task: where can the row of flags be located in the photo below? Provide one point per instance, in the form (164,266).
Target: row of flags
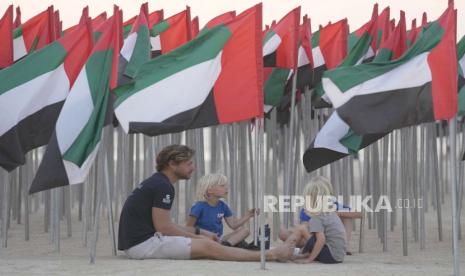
(61,87)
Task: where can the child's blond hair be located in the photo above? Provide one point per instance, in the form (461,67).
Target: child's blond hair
(315,192)
(208,181)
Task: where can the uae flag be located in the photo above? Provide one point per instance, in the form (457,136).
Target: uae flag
(361,52)
(136,47)
(280,52)
(395,45)
(171,33)
(329,48)
(336,139)
(6,43)
(419,87)
(32,92)
(76,139)
(34,34)
(304,56)
(214,79)
(153,18)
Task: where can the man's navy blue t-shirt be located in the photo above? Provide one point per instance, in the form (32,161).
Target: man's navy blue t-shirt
(210,217)
(135,224)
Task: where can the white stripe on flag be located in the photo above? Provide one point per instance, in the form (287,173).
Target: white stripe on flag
(318,58)
(128,46)
(19,48)
(32,96)
(78,175)
(177,93)
(75,112)
(302,57)
(271,45)
(156,43)
(413,73)
(462,64)
(332,131)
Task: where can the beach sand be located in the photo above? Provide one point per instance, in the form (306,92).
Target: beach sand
(38,256)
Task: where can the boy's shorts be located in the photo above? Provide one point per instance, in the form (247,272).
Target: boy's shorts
(161,247)
(325,255)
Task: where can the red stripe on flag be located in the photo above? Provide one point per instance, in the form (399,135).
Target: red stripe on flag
(6,43)
(442,61)
(238,92)
(333,43)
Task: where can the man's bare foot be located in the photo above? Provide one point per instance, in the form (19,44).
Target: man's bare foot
(283,252)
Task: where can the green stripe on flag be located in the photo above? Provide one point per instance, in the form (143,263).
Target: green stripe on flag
(316,39)
(141,52)
(364,72)
(98,69)
(358,51)
(17,32)
(201,49)
(268,36)
(274,86)
(159,28)
(31,67)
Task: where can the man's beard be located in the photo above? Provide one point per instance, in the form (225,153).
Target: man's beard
(184,176)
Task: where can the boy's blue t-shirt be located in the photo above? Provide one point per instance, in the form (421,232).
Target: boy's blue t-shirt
(304,217)
(209,217)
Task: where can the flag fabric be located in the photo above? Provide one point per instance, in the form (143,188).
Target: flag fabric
(136,47)
(304,56)
(395,45)
(17,21)
(153,18)
(78,131)
(280,53)
(329,48)
(217,20)
(34,34)
(195,28)
(6,43)
(214,79)
(32,92)
(96,22)
(419,87)
(171,33)
(336,139)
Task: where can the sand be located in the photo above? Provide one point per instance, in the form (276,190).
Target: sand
(38,256)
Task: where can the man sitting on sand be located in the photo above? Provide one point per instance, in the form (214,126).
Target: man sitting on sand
(147,232)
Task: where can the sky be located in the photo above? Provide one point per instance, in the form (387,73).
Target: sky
(321,12)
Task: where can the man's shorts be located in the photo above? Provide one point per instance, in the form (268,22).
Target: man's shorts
(161,247)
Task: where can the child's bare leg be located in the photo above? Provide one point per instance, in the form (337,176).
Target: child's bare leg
(348,227)
(237,235)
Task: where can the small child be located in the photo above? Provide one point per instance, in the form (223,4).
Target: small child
(343,211)
(208,212)
(324,239)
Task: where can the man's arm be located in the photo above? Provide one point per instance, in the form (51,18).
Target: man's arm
(162,222)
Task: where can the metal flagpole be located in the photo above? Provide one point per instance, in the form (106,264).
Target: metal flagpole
(453,189)
(260,186)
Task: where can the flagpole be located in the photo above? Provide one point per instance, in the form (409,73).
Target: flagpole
(260,185)
(6,208)
(290,139)
(453,191)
